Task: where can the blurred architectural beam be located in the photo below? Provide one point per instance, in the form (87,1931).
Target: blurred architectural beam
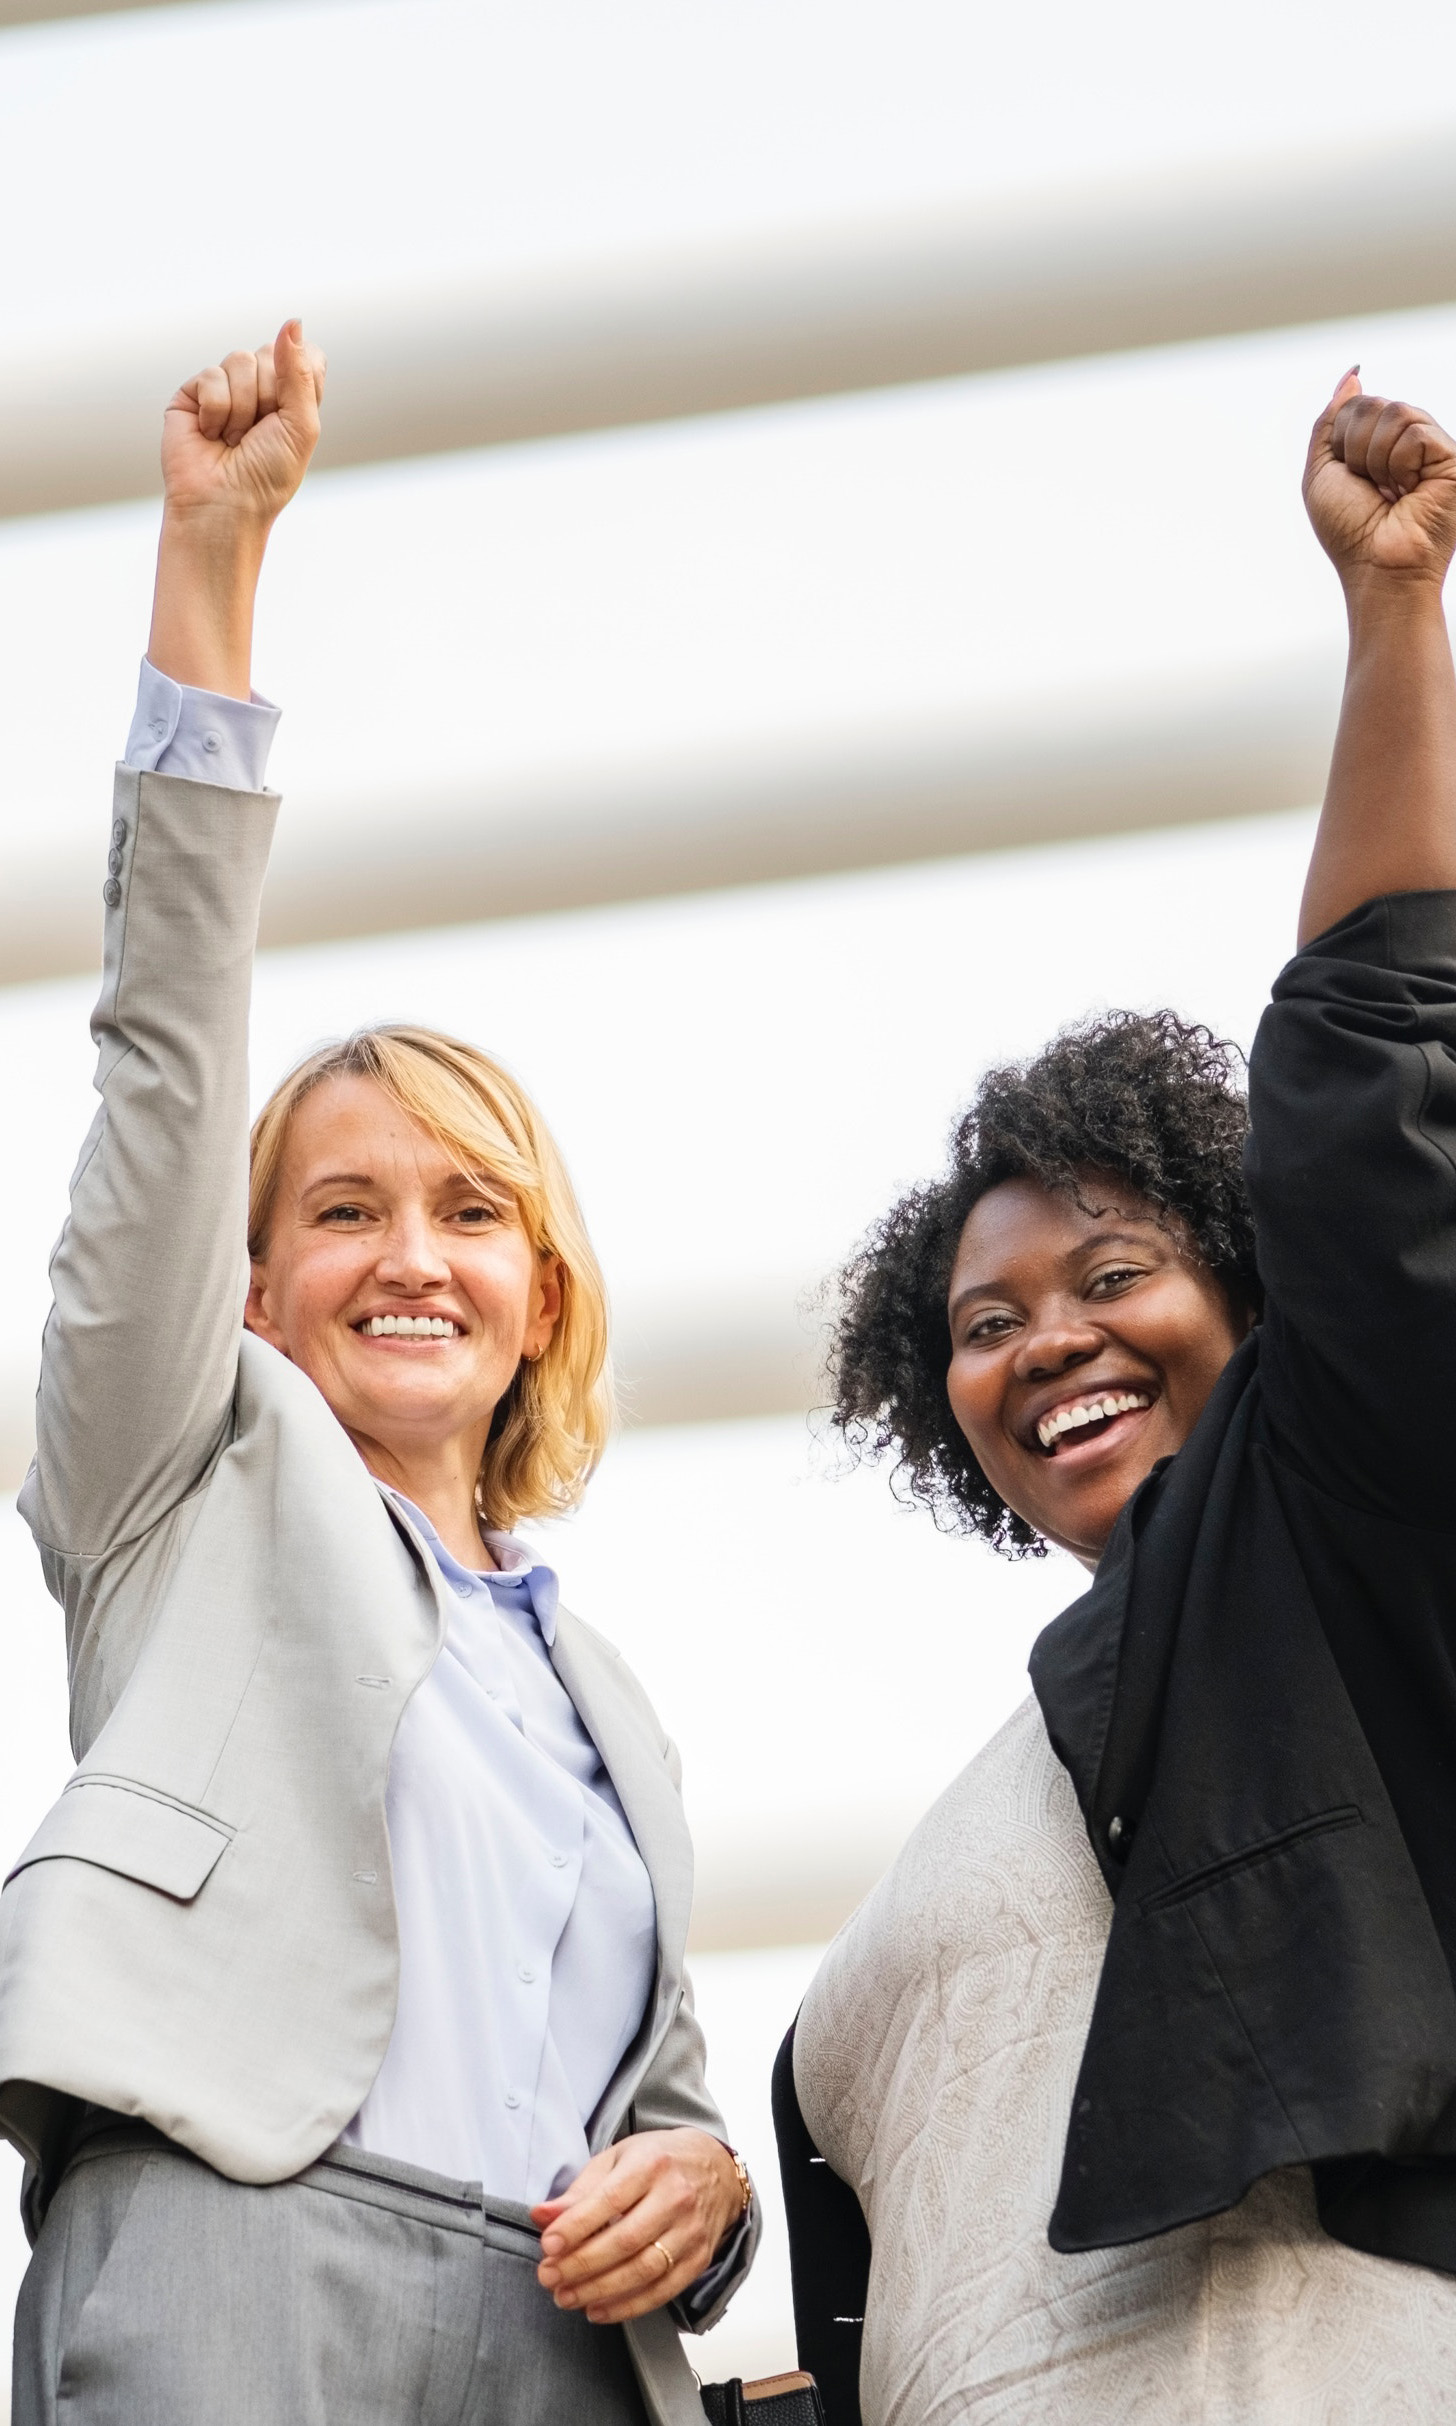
(776,1886)
(1064,767)
(40,12)
(1251,245)
(730,1354)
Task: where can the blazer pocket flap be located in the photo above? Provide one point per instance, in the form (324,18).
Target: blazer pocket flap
(135,1833)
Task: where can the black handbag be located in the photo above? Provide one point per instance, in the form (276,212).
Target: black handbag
(773,2400)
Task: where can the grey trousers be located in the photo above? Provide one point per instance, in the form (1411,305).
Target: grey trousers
(362,2293)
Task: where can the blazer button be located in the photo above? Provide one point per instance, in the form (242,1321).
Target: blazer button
(118,831)
(111,893)
(1119,1838)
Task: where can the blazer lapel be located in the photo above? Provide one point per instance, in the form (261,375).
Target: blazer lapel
(617,1718)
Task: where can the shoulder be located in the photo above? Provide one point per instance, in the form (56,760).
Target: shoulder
(588,1646)
(992,1919)
(999,1861)
(592,1640)
(1010,1813)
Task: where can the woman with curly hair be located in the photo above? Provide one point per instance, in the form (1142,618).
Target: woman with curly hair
(1136,2075)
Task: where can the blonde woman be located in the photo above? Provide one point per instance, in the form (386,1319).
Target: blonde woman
(343,2018)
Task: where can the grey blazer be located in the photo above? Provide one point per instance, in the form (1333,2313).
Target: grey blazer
(202,1931)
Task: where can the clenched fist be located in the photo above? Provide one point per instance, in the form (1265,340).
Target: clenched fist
(236,442)
(238,438)
(1380,487)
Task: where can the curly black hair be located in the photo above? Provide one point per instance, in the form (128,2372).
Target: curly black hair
(1145,1097)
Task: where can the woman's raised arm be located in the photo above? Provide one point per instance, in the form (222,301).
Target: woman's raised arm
(1380,487)
(236,442)
(1352,1159)
(140,1355)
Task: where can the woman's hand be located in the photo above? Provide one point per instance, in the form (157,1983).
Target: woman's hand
(237,439)
(1380,488)
(236,442)
(639,2223)
(1380,485)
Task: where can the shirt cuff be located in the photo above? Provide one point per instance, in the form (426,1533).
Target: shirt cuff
(200,734)
(694,2307)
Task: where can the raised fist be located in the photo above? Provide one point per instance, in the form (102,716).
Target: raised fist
(237,439)
(1380,486)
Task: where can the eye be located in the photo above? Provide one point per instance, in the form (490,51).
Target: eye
(987,1329)
(1116,1278)
(480,1215)
(343,1216)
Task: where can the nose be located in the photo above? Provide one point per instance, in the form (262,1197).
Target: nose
(411,1259)
(1060,1339)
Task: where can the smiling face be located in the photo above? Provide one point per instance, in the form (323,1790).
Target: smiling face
(407,1291)
(1084,1346)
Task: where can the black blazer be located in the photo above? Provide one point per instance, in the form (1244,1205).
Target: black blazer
(1256,1700)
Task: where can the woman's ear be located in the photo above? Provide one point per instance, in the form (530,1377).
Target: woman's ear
(1243,1313)
(256,1314)
(546,1311)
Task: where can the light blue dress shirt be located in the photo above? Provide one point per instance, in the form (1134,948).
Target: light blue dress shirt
(527,1931)
(176,731)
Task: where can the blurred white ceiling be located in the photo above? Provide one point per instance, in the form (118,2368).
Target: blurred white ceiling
(833,633)
(505,352)
(278,150)
(854,632)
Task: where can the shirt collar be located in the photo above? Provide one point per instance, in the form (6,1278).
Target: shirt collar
(519,1564)
(515,1560)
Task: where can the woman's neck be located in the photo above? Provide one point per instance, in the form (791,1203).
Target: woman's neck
(439,1480)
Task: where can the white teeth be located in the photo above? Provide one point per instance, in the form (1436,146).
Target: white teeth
(411,1326)
(1088,1411)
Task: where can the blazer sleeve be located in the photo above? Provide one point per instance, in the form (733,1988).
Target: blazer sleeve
(1351,1164)
(674,2093)
(139,1361)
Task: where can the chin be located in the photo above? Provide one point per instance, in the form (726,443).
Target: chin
(1089,1513)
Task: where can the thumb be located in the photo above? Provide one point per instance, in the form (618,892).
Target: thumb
(1322,437)
(299,370)
(1345,388)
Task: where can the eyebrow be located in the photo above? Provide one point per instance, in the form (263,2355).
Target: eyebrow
(482,1181)
(1002,1288)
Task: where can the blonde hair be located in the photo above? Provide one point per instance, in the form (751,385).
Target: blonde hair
(554,1421)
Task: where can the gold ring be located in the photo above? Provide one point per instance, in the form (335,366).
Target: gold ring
(668,2260)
